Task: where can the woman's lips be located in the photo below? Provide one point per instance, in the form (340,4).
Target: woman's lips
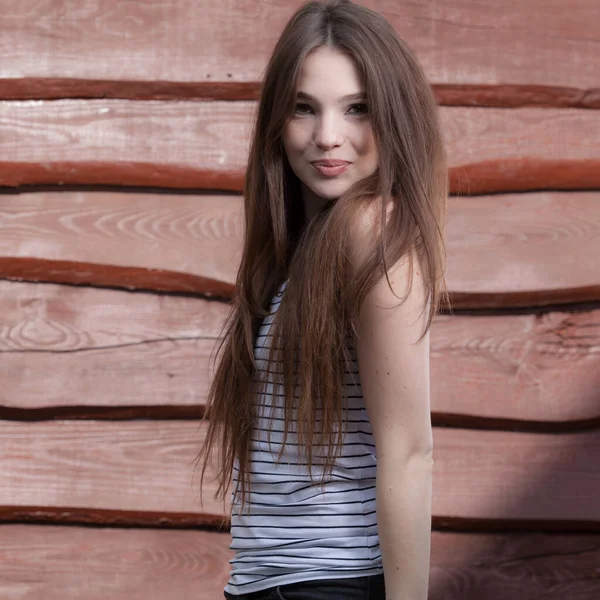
(330,168)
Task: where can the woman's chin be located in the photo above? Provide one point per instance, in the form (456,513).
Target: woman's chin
(330,190)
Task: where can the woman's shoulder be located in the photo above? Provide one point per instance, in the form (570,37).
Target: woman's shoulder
(363,239)
(364,231)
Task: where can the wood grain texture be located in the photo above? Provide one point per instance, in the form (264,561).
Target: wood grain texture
(75,346)
(84,348)
(46,563)
(140,466)
(154,143)
(469,566)
(528,367)
(518,243)
(204,145)
(74,563)
(152,240)
(173,41)
(533,249)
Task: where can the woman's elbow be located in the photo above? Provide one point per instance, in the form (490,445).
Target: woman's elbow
(399,462)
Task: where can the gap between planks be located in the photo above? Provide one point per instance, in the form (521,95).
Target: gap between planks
(500,96)
(101,518)
(187,413)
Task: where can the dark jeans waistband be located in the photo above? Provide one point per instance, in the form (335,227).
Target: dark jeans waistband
(370,587)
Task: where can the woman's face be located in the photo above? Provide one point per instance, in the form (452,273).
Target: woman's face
(328,140)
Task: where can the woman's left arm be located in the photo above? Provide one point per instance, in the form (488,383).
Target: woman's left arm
(394,372)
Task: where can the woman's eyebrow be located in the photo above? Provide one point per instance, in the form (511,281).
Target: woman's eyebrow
(347,98)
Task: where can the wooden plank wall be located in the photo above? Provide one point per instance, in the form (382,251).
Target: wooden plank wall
(123,134)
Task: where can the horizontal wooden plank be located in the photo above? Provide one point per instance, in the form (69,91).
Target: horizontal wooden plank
(513,566)
(503,250)
(161,372)
(171,144)
(457,42)
(47,562)
(179,242)
(529,367)
(79,347)
(204,145)
(147,466)
(523,243)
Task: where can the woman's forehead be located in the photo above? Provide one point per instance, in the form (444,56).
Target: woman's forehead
(329,73)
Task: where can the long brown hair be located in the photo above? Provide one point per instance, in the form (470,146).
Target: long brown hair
(323,296)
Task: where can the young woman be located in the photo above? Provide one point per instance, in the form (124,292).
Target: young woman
(319,407)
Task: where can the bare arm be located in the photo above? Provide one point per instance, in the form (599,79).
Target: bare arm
(394,372)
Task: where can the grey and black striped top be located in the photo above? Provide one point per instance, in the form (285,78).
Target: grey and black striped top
(298,530)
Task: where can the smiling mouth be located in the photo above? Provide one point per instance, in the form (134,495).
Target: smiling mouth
(330,168)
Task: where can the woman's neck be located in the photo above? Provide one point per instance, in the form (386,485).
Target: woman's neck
(313,204)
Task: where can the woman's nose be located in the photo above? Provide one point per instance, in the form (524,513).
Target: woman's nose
(328,132)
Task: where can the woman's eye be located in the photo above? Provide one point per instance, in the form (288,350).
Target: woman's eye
(302,109)
(358,109)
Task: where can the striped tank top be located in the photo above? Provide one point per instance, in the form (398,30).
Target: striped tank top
(292,529)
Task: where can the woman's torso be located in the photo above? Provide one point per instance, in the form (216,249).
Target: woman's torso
(298,530)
